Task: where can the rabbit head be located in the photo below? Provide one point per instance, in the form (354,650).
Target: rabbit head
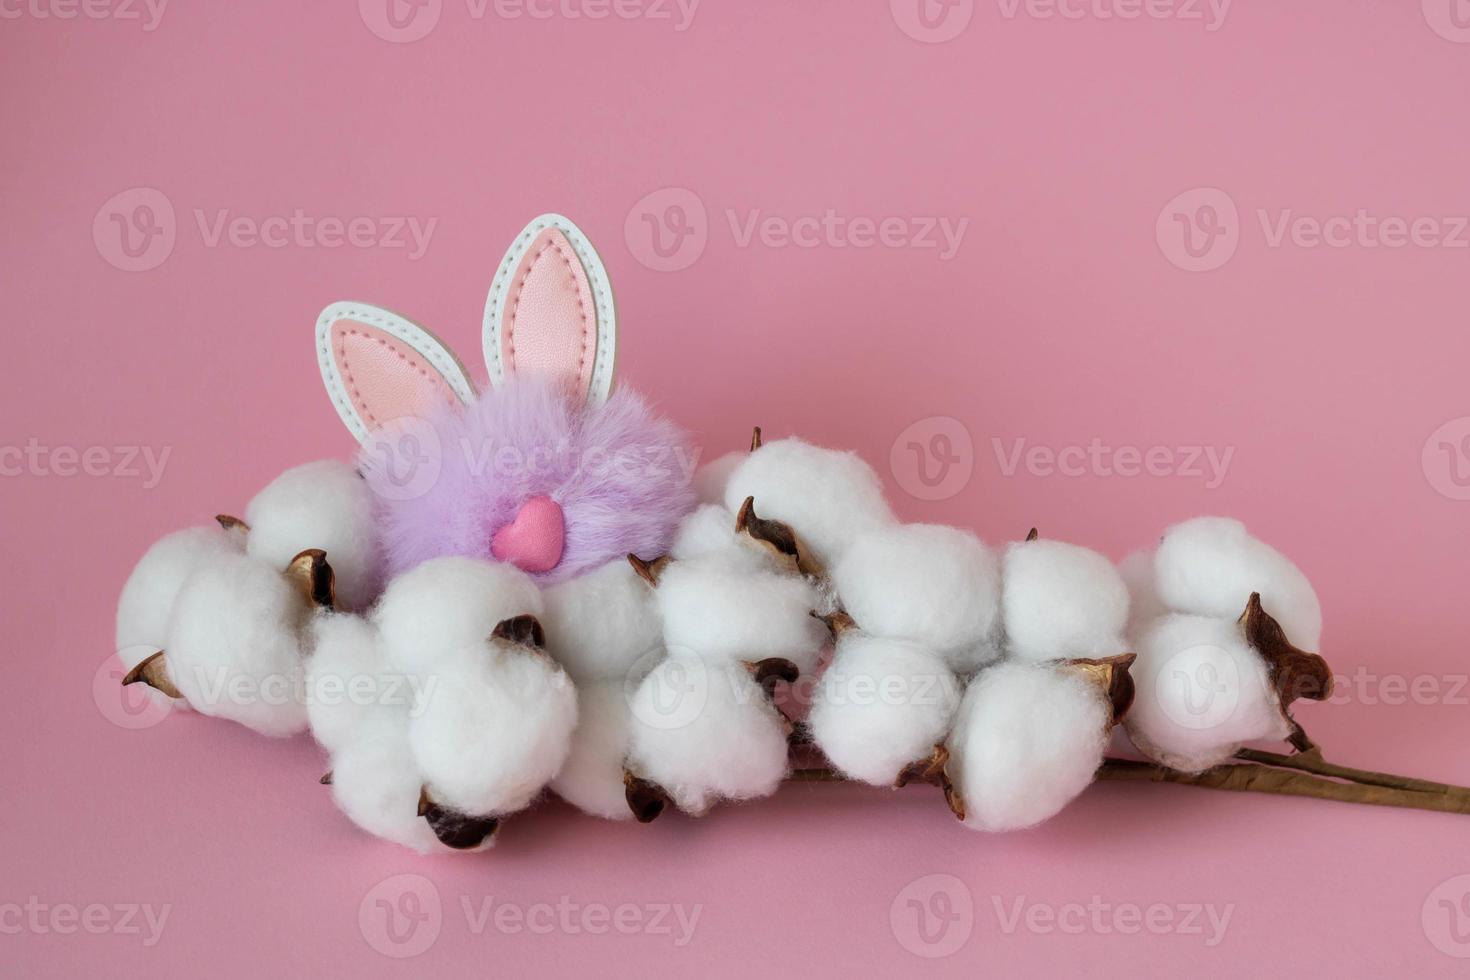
(549,468)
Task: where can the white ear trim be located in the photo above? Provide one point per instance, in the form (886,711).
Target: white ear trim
(604,360)
(437,355)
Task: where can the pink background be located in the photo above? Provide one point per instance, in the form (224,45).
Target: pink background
(1062,318)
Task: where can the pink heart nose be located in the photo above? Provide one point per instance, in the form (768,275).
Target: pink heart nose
(533,541)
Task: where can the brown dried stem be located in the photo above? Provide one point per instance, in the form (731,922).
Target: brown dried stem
(1251,777)
(1312,762)
(1282,776)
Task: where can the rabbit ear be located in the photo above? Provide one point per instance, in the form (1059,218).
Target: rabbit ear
(378,367)
(550,312)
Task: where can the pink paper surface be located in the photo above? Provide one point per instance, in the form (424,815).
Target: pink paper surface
(159,292)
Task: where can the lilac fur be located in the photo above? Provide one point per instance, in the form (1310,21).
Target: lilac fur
(620,473)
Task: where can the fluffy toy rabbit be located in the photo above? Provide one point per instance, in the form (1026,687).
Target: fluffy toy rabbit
(549,469)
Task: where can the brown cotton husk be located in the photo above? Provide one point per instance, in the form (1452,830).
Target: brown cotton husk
(153,672)
(454,829)
(647,570)
(326,779)
(930,771)
(230,523)
(312,575)
(1033,534)
(838,623)
(646,799)
(755,438)
(1111,676)
(775,537)
(523,631)
(1295,673)
(771,670)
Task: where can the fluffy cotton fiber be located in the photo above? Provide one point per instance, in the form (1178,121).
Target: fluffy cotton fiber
(234,647)
(711,479)
(603,624)
(716,609)
(147,599)
(829,498)
(494,727)
(1144,604)
(1062,602)
(351,692)
(1202,691)
(592,777)
(709,533)
(881,705)
(1027,739)
(376,782)
(705,731)
(324,505)
(448,604)
(937,586)
(1209,566)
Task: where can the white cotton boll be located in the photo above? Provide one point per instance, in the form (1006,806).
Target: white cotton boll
(447,604)
(827,497)
(376,783)
(234,646)
(324,505)
(1061,602)
(704,731)
(937,586)
(1202,691)
(592,777)
(1144,604)
(718,610)
(493,727)
(1028,738)
(148,596)
(711,479)
(709,533)
(601,624)
(1209,566)
(351,692)
(882,705)
(147,599)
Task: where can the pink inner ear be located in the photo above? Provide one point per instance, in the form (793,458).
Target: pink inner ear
(549,327)
(385,378)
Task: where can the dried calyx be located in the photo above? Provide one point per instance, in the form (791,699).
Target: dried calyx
(1111,676)
(454,829)
(775,537)
(309,572)
(649,570)
(1295,673)
(231,523)
(645,799)
(931,771)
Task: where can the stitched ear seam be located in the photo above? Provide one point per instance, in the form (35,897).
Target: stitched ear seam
(378,366)
(550,312)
